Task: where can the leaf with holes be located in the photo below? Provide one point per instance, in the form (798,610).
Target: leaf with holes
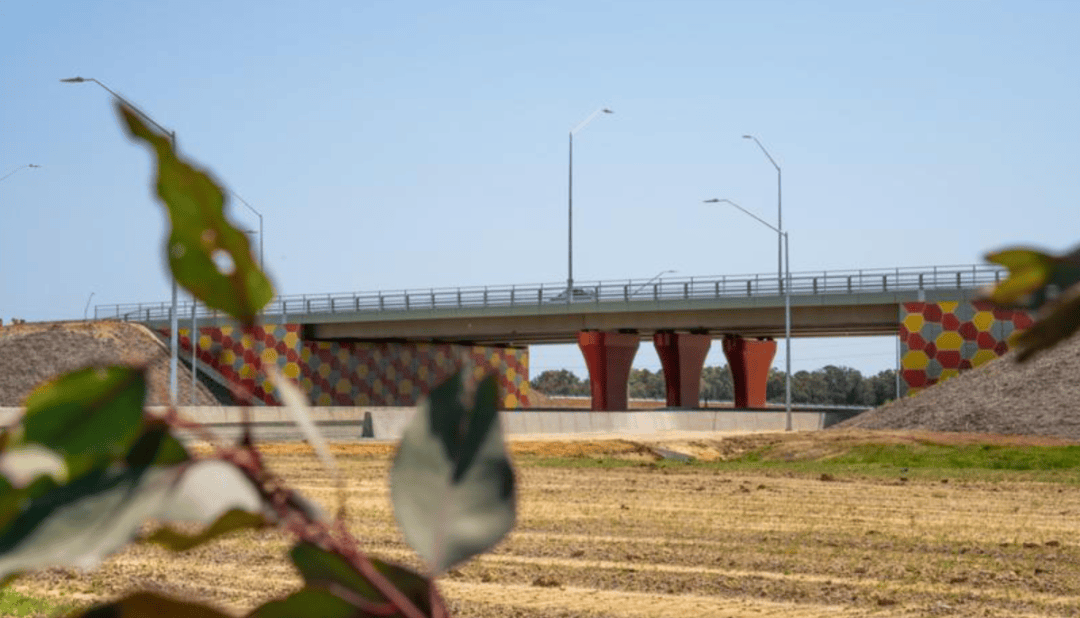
(207,255)
(327,570)
(89,417)
(451,483)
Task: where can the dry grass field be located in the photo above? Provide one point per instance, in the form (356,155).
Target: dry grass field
(606,529)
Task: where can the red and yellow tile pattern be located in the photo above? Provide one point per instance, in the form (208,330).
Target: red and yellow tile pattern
(354,373)
(939,340)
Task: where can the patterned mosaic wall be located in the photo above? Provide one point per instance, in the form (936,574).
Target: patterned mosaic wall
(939,340)
(353,373)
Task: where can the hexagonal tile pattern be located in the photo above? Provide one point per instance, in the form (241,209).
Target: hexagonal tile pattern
(354,373)
(938,340)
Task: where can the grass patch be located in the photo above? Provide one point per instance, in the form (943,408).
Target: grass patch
(926,460)
(15,604)
(585,462)
(981,456)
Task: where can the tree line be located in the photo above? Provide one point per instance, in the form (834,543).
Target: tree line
(829,385)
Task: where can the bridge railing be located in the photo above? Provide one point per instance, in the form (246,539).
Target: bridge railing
(860,281)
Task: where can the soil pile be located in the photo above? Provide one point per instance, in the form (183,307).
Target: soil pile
(1039,397)
(33,353)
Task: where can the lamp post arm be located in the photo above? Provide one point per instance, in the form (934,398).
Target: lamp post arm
(769,156)
(21,167)
(257,214)
(655,277)
(759,219)
(135,108)
(592,116)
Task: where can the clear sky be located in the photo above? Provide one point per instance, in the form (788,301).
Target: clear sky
(401,144)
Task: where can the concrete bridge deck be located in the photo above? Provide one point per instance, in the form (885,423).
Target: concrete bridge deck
(829,303)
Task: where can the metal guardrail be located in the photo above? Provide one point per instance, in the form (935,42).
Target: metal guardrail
(860,281)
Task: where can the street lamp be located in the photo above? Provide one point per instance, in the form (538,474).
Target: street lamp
(21,167)
(779,210)
(655,277)
(174,321)
(570,205)
(259,215)
(787,306)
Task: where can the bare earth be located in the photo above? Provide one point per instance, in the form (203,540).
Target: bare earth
(646,541)
(34,352)
(1041,396)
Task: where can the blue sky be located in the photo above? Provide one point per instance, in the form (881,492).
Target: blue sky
(395,145)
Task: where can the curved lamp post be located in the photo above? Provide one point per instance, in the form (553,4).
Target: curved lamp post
(787,307)
(655,277)
(570,205)
(21,167)
(174,326)
(259,215)
(779,209)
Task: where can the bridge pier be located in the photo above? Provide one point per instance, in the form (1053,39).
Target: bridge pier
(609,356)
(750,360)
(682,356)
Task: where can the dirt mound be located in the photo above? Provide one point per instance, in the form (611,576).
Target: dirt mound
(1040,397)
(33,353)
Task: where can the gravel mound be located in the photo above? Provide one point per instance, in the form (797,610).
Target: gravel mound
(1040,397)
(33,353)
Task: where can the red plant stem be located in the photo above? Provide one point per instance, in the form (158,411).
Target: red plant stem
(249,461)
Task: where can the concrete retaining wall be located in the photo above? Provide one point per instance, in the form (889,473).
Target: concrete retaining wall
(346,423)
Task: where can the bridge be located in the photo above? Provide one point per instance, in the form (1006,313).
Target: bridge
(608,318)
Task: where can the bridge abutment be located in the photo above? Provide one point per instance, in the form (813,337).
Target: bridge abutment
(938,340)
(609,356)
(682,356)
(749,360)
(352,373)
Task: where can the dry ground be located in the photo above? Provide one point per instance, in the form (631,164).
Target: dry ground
(34,352)
(650,540)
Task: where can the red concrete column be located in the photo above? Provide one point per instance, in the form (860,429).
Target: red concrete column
(750,361)
(682,356)
(608,357)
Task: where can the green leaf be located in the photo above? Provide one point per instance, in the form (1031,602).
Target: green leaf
(234,519)
(321,568)
(210,257)
(451,483)
(89,416)
(1058,321)
(308,602)
(10,501)
(1029,271)
(150,605)
(80,523)
(207,490)
(157,446)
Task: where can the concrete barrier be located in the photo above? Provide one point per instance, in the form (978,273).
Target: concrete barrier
(386,423)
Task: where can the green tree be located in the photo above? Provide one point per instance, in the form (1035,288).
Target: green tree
(644,384)
(883,386)
(559,383)
(716,384)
